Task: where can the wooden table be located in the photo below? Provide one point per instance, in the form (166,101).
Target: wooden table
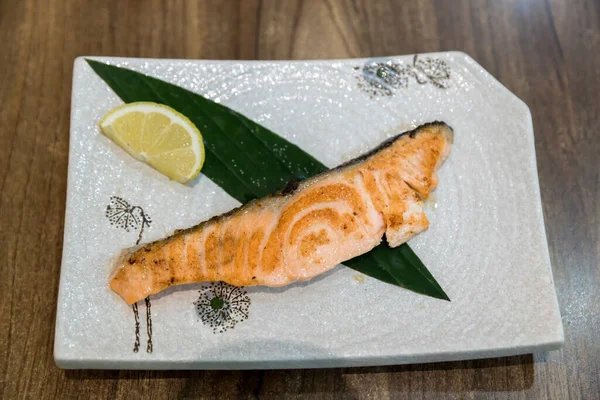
(545,51)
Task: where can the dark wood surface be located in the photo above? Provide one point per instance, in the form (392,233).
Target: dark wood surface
(546,51)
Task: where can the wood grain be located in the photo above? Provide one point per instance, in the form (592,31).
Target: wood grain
(545,51)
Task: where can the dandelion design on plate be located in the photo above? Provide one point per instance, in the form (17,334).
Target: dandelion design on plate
(221,306)
(124,216)
(382,78)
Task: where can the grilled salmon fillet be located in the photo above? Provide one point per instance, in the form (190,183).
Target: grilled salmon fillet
(303,231)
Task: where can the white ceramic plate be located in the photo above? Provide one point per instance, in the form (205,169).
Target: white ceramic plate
(486,245)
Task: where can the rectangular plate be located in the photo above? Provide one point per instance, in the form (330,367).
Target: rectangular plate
(486,245)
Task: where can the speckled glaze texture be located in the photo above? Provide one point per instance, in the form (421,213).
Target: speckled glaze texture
(486,245)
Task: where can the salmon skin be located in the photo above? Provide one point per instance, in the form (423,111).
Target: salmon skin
(304,230)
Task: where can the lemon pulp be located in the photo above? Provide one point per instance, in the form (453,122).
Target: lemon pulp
(159,136)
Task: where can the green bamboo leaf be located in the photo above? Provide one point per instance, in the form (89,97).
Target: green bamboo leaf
(249,161)
(403,265)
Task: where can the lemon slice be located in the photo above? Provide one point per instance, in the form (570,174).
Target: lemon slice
(159,136)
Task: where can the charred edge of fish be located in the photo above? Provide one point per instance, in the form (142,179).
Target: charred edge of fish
(389,142)
(290,187)
(293,185)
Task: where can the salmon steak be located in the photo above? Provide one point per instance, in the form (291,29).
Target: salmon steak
(304,230)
